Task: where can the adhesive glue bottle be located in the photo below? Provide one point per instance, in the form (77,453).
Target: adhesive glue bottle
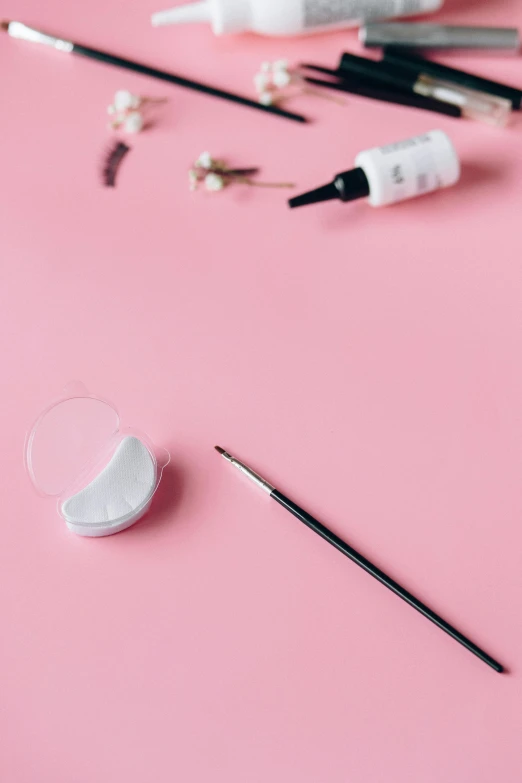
(385,175)
(289,17)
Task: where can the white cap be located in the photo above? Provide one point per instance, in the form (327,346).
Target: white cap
(225,16)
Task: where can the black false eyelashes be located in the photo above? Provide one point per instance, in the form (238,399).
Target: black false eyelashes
(112,163)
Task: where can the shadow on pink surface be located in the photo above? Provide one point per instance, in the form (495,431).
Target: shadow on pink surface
(166,502)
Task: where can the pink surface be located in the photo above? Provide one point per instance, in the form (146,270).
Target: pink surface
(367,361)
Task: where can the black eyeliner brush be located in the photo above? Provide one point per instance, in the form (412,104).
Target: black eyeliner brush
(361,561)
(19,30)
(389,96)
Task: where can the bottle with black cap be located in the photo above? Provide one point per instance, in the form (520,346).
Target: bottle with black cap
(396,172)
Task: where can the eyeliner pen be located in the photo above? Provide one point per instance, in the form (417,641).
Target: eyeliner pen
(357,558)
(22,31)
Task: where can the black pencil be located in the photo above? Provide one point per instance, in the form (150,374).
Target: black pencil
(361,561)
(19,30)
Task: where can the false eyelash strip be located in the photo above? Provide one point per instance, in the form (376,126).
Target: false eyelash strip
(112,163)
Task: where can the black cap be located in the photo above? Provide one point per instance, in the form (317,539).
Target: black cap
(396,77)
(348,186)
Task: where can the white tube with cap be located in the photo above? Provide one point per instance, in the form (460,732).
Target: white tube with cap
(396,172)
(291,17)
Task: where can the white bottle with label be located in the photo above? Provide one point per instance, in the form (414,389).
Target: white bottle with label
(396,172)
(289,17)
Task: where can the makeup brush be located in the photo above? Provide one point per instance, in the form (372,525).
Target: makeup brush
(361,561)
(19,30)
(375,92)
(475,105)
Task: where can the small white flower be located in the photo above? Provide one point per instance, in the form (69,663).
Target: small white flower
(266,98)
(193,179)
(205,160)
(133,122)
(281,78)
(123,100)
(266,67)
(214,182)
(261,81)
(280,65)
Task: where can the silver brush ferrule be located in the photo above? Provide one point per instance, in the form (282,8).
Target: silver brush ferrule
(248,472)
(19,30)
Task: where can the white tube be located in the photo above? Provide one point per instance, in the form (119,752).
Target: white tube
(290,17)
(409,168)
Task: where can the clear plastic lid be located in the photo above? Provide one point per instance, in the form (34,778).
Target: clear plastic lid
(68,437)
(69,446)
(73,437)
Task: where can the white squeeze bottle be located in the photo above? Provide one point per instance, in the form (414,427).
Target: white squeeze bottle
(396,172)
(289,17)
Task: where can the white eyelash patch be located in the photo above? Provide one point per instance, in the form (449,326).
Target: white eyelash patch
(118,496)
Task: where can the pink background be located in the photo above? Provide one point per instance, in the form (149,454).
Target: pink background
(367,361)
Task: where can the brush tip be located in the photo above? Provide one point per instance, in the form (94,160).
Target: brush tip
(4,25)
(220,450)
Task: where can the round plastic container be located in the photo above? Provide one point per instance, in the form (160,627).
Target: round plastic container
(103,475)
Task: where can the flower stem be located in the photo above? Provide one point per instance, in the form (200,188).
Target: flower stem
(322,94)
(254,184)
(147,99)
(236,172)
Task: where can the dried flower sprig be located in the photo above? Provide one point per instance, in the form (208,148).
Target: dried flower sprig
(127,111)
(277,82)
(215,174)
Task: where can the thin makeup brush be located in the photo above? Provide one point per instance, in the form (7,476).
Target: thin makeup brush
(19,30)
(361,561)
(375,92)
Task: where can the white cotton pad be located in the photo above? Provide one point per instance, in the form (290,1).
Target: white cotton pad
(118,496)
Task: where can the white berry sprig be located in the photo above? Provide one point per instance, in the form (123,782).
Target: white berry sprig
(277,82)
(215,174)
(127,111)
(271,80)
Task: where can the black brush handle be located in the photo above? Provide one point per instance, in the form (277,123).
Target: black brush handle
(410,60)
(361,561)
(400,98)
(121,62)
